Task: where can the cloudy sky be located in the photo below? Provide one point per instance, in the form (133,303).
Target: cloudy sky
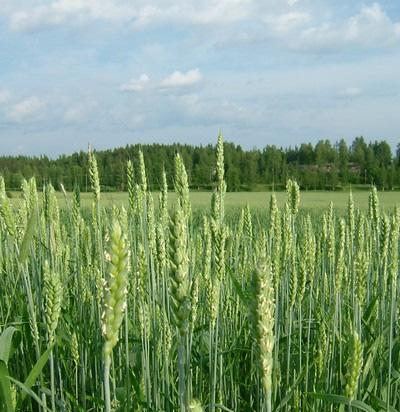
(113,72)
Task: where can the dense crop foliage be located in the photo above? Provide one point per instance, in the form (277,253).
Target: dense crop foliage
(158,309)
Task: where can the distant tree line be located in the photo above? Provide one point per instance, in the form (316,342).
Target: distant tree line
(324,166)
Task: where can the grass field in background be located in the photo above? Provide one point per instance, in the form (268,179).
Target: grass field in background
(309,200)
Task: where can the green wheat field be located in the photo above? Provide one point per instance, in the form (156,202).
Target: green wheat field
(179,301)
(311,200)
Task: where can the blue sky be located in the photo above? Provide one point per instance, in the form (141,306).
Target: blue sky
(113,72)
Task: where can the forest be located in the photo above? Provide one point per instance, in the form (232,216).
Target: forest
(320,166)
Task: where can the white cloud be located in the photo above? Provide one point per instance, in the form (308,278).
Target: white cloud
(203,12)
(371,27)
(25,109)
(284,23)
(221,11)
(136,85)
(78,111)
(61,12)
(350,92)
(75,114)
(190,99)
(309,26)
(190,104)
(4,96)
(316,28)
(179,79)
(138,13)
(6,7)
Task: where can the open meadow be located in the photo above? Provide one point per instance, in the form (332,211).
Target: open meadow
(310,200)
